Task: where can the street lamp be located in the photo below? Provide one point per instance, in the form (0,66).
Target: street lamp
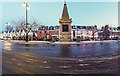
(27,7)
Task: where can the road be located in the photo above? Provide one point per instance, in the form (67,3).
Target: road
(29,63)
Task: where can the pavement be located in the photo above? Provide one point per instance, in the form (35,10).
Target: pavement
(47,42)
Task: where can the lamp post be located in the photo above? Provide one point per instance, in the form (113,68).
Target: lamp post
(25,4)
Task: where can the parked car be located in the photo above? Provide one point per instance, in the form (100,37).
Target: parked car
(56,39)
(74,39)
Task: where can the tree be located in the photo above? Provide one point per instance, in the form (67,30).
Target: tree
(21,25)
(102,28)
(8,27)
(94,30)
(106,31)
(95,26)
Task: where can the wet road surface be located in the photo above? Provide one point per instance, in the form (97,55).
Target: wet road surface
(25,60)
(29,63)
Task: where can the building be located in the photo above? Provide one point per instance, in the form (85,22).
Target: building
(109,33)
(114,32)
(77,31)
(83,32)
(48,32)
(106,31)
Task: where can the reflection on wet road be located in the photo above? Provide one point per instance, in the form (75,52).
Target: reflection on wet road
(63,50)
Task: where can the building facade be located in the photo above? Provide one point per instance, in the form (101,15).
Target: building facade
(109,33)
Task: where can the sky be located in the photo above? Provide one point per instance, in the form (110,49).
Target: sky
(48,13)
(60,0)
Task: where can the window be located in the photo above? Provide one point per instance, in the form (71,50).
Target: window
(87,33)
(74,33)
(45,32)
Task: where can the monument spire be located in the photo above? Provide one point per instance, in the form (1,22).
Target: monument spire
(64,1)
(65,14)
(65,24)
